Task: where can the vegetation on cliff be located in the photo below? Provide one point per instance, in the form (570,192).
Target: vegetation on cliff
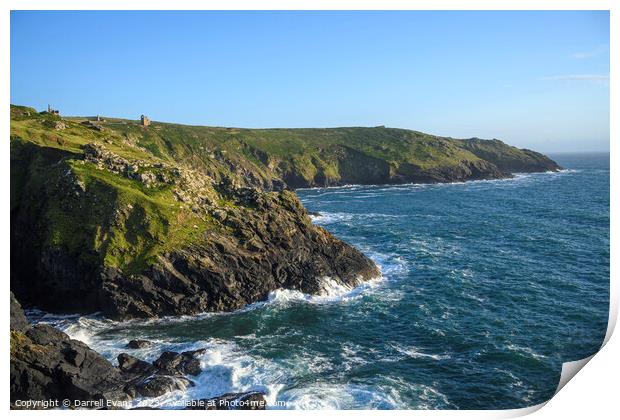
(172,219)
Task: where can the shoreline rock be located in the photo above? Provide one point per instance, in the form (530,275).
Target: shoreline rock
(139,344)
(47,365)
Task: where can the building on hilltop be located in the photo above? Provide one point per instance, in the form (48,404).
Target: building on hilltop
(145,121)
(52,111)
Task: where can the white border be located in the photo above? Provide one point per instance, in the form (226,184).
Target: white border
(593,394)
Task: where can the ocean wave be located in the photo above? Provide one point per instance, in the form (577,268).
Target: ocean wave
(415,353)
(377,188)
(526,351)
(225,368)
(328,218)
(331,291)
(328,396)
(474,297)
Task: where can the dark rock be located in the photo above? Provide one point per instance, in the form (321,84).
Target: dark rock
(287,251)
(185,363)
(18,319)
(139,344)
(47,364)
(130,364)
(266,241)
(44,335)
(232,401)
(164,375)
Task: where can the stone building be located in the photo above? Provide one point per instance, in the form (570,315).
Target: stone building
(144,120)
(52,111)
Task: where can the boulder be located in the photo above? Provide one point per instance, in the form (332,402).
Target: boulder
(185,363)
(139,344)
(132,365)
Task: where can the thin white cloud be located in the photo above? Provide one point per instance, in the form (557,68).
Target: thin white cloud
(584,55)
(580,77)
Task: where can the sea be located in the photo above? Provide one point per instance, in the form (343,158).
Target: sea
(487,287)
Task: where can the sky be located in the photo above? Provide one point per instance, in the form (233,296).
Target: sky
(536,79)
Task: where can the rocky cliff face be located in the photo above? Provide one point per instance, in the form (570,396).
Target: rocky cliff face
(88,245)
(507,158)
(167,219)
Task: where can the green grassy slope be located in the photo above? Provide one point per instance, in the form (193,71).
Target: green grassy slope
(155,177)
(104,217)
(321,157)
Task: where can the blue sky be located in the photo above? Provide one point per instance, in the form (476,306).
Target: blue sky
(533,79)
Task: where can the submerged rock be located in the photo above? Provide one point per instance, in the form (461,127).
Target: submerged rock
(184,363)
(139,344)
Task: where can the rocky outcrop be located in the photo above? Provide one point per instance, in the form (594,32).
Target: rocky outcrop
(508,158)
(276,247)
(463,171)
(354,167)
(139,344)
(18,319)
(244,243)
(173,363)
(48,365)
(165,375)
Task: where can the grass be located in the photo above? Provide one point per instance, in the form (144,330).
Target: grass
(121,222)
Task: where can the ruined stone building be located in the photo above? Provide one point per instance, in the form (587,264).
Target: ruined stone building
(144,120)
(52,111)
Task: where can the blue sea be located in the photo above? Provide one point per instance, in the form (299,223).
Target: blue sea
(487,287)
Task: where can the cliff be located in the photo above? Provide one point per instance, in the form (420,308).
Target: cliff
(170,219)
